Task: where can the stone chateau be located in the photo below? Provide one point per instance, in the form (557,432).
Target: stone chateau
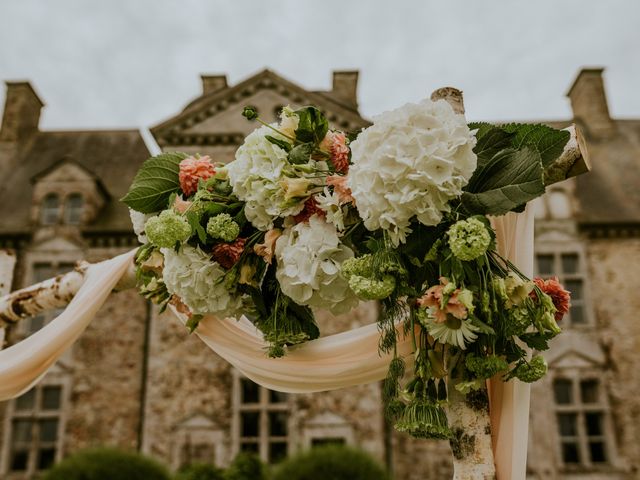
(137,380)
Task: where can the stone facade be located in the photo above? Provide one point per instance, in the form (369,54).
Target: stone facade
(136,379)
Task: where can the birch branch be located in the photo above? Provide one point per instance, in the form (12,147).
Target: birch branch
(471,443)
(573,161)
(51,294)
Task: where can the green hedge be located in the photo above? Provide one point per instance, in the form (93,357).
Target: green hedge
(200,471)
(246,466)
(330,463)
(107,464)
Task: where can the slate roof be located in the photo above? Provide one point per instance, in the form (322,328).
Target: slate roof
(610,192)
(112,156)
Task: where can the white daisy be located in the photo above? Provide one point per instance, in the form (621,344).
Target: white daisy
(453,331)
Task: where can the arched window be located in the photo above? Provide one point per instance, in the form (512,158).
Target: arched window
(50,209)
(73,207)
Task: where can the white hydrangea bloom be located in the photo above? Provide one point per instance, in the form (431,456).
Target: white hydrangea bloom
(411,162)
(309,257)
(254,176)
(138,219)
(196,279)
(330,204)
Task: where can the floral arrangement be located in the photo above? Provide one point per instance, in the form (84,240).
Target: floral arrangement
(309,217)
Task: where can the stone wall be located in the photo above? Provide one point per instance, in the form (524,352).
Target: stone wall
(614,270)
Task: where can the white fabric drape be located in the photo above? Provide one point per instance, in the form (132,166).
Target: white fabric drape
(509,402)
(337,361)
(23,364)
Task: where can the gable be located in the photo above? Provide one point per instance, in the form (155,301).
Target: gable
(65,171)
(575,350)
(215,118)
(196,422)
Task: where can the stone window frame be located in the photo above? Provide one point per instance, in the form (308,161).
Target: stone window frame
(263,407)
(581,275)
(56,378)
(188,437)
(49,214)
(577,377)
(67,209)
(334,429)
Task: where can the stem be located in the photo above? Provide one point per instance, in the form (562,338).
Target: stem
(276,130)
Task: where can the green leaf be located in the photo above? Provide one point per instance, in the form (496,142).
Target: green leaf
(548,142)
(193,322)
(154,183)
(481,127)
(213,208)
(283,144)
(312,126)
(537,341)
(301,154)
(491,142)
(508,180)
(484,328)
(193,217)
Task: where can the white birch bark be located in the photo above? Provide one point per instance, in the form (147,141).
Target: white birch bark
(51,294)
(471,443)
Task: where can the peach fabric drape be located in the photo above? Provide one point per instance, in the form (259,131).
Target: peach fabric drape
(337,361)
(23,364)
(509,402)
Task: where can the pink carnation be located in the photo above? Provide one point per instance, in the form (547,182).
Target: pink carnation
(336,144)
(339,184)
(193,169)
(227,254)
(433,298)
(561,297)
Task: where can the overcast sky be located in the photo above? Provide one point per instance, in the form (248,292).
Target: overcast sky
(133,63)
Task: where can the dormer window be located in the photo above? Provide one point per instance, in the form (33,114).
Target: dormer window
(50,209)
(73,208)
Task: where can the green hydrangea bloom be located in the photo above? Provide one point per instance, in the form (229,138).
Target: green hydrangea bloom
(485,367)
(360,266)
(223,227)
(518,320)
(167,229)
(469,239)
(532,371)
(371,288)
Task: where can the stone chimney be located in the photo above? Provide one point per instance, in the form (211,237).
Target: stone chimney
(345,86)
(213,83)
(21,115)
(589,103)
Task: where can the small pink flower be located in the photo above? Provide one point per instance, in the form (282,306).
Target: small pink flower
(193,169)
(180,205)
(561,297)
(433,299)
(339,184)
(310,208)
(227,254)
(336,144)
(266,249)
